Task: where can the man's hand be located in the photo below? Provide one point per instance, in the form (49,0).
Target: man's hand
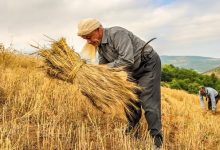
(123,75)
(204,110)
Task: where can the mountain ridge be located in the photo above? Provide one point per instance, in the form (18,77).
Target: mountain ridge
(198,63)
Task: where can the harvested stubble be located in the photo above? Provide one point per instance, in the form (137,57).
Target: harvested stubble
(106,88)
(2,96)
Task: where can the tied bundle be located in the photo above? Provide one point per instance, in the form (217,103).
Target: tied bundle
(106,88)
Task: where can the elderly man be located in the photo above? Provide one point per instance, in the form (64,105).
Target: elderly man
(119,47)
(212,95)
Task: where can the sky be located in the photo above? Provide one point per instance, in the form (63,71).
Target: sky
(182,27)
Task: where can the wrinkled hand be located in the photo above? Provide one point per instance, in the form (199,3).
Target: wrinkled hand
(204,110)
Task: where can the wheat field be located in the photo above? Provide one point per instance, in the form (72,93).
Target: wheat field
(37,112)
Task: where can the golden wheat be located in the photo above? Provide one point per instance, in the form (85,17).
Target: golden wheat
(104,87)
(38,112)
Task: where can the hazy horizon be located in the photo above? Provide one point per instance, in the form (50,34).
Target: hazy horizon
(189,56)
(182,28)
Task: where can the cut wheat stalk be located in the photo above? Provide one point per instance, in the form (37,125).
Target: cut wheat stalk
(106,88)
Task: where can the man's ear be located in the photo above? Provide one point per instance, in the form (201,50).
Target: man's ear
(100,30)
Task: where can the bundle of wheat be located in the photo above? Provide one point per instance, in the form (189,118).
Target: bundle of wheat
(106,88)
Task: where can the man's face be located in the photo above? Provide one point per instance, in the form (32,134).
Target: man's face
(93,38)
(202,91)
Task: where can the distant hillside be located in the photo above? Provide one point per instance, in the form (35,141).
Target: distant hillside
(198,63)
(216,71)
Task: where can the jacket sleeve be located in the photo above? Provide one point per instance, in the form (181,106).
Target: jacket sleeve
(201,101)
(212,97)
(123,44)
(102,59)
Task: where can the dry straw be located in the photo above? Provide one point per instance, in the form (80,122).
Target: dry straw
(106,88)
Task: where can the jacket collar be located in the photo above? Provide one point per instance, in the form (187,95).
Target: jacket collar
(206,91)
(105,36)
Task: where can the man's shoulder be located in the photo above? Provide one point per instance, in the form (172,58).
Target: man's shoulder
(116,29)
(210,88)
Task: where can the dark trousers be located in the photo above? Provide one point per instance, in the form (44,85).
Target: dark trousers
(148,76)
(210,102)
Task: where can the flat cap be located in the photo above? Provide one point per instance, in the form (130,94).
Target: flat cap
(87,25)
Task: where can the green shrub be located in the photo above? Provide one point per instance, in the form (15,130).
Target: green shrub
(187,79)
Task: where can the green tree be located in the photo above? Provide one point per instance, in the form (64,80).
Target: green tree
(187,79)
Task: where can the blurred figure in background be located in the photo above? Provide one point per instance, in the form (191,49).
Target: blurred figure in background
(211,95)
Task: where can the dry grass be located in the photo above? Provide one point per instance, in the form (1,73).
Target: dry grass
(105,88)
(10,59)
(42,113)
(216,71)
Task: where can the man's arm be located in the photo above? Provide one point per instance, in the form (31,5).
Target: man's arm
(201,101)
(123,44)
(212,97)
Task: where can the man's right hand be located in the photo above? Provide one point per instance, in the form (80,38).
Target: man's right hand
(204,110)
